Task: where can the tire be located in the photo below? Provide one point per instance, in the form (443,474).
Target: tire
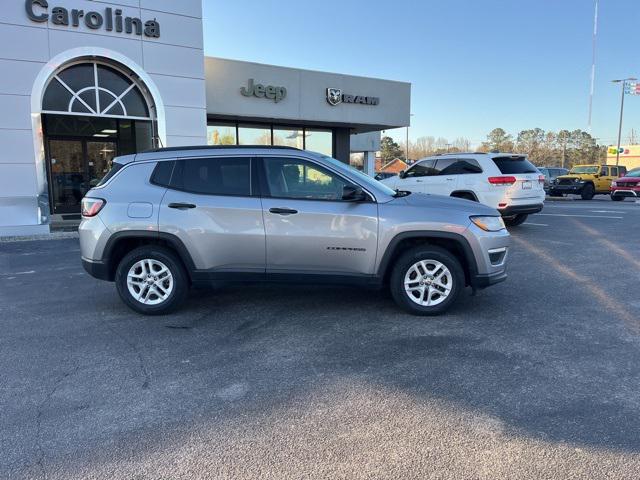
(428,261)
(588,191)
(515,220)
(616,198)
(143,262)
(556,195)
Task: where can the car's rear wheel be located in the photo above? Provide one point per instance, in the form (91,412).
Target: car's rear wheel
(426,280)
(617,198)
(515,220)
(588,192)
(553,194)
(151,280)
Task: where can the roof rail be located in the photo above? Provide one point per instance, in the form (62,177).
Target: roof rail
(459,153)
(218,147)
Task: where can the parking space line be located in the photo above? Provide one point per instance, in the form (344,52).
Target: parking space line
(536,224)
(575,215)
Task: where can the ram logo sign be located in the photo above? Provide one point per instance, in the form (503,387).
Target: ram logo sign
(336,97)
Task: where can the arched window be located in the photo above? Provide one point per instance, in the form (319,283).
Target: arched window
(95,89)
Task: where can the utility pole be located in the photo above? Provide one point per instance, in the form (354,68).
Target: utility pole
(624,84)
(593,64)
(407,149)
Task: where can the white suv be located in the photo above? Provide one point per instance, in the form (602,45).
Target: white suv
(509,183)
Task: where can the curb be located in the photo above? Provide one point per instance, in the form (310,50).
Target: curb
(34,238)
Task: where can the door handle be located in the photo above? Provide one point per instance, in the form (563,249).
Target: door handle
(450,179)
(182,206)
(419,181)
(283,211)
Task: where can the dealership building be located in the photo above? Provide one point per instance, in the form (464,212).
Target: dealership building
(84,81)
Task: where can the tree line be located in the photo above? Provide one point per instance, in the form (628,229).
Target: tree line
(544,148)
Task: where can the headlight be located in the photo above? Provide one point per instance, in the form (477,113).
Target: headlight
(579,180)
(489,224)
(614,184)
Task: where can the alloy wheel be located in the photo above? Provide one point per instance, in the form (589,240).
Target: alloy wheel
(150,281)
(428,283)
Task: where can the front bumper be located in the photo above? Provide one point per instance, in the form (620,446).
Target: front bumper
(575,189)
(633,192)
(521,209)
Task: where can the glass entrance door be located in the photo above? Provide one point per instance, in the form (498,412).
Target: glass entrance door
(76,165)
(100,155)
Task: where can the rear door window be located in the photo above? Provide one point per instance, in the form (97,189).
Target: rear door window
(514,165)
(457,166)
(213,176)
(162,173)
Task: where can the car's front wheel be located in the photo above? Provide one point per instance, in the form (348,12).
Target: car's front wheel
(617,198)
(588,191)
(426,280)
(151,280)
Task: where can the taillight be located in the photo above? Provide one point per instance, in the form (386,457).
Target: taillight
(502,180)
(92,206)
(541,178)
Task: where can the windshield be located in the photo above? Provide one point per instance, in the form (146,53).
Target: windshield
(633,173)
(585,170)
(364,178)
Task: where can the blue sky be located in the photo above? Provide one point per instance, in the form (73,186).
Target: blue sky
(474,64)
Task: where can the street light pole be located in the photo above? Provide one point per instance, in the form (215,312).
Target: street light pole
(624,84)
(407,149)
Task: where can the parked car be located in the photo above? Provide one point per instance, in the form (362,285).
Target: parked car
(587,181)
(509,183)
(627,186)
(550,175)
(383,175)
(162,221)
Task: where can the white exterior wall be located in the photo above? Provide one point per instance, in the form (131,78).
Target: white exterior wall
(306,99)
(172,65)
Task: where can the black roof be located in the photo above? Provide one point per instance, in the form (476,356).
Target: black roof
(219,147)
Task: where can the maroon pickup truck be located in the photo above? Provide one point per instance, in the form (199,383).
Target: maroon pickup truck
(627,186)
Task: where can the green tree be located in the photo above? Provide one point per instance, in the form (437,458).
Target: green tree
(498,140)
(390,150)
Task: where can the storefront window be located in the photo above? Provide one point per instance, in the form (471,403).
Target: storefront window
(254,135)
(288,137)
(319,141)
(221,134)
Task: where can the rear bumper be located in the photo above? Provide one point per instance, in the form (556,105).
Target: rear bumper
(98,270)
(521,209)
(484,281)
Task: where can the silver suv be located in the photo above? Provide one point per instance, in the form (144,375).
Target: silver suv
(164,220)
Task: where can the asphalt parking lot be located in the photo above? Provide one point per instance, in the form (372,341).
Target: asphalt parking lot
(535,378)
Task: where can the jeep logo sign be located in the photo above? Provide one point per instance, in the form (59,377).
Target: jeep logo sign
(270,92)
(336,97)
(38,11)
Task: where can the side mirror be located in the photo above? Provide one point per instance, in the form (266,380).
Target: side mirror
(353,193)
(402,174)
